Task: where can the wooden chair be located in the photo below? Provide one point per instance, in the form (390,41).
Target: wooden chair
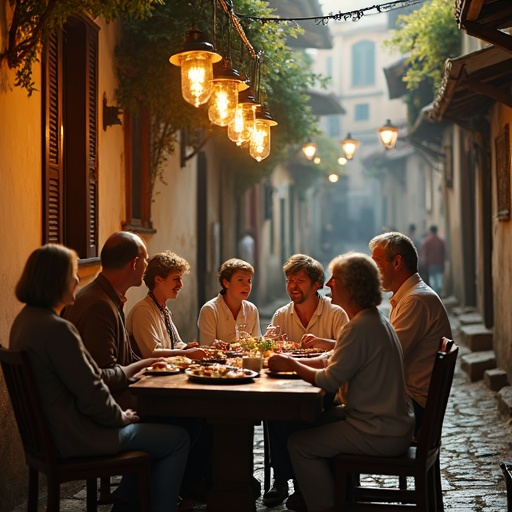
(420,462)
(41,453)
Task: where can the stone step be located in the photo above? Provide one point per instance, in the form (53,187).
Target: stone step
(475,364)
(476,337)
(495,379)
(470,318)
(504,398)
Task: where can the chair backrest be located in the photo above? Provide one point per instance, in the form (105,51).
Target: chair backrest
(32,425)
(437,398)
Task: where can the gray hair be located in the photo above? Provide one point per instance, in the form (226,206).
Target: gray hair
(395,243)
(359,274)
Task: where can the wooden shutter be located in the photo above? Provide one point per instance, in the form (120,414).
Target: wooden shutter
(81,136)
(52,142)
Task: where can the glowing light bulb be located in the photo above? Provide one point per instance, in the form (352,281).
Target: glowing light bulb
(240,129)
(196,76)
(260,140)
(223,102)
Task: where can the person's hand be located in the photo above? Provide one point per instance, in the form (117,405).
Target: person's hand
(312,341)
(195,353)
(134,368)
(280,363)
(130,416)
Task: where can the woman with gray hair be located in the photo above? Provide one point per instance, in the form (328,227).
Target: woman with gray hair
(374,415)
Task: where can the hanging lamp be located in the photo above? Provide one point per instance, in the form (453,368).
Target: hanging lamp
(240,129)
(196,58)
(259,147)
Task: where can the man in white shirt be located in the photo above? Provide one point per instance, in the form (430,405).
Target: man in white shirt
(312,320)
(417,315)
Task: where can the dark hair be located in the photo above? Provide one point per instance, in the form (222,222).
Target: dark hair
(312,267)
(433,229)
(162,264)
(120,249)
(395,243)
(229,267)
(359,274)
(46,276)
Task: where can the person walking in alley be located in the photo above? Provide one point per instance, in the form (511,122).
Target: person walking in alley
(433,255)
(417,315)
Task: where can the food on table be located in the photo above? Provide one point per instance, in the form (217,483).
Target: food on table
(181,362)
(162,366)
(217,371)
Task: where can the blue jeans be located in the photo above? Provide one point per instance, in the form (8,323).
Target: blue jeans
(168,447)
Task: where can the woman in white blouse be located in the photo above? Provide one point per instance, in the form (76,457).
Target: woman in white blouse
(230,313)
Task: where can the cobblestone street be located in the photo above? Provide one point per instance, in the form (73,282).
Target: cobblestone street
(476,440)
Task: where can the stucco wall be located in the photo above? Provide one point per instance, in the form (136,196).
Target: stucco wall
(20,211)
(501,260)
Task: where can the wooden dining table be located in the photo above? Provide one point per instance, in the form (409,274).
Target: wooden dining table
(233,410)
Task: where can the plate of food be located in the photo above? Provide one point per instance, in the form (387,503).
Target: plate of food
(220,374)
(283,375)
(305,352)
(161,368)
(181,362)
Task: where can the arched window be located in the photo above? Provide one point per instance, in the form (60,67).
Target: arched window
(363,64)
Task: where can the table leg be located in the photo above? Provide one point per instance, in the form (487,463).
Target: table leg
(232,459)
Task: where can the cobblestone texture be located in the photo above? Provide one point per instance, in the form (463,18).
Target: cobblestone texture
(476,440)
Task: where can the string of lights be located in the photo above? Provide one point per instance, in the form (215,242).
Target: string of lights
(354,15)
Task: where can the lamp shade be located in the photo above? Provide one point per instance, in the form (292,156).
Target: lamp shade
(349,146)
(259,147)
(388,135)
(309,150)
(196,58)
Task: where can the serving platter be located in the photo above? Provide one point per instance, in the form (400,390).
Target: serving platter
(282,375)
(232,376)
(170,370)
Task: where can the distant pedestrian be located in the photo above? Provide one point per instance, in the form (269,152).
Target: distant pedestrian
(433,255)
(246,247)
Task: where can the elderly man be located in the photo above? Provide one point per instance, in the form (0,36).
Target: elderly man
(375,416)
(98,313)
(417,315)
(312,320)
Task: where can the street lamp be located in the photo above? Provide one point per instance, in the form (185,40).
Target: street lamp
(349,146)
(388,135)
(309,150)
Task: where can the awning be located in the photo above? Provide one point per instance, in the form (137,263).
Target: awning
(316,35)
(324,104)
(472,84)
(486,19)
(395,78)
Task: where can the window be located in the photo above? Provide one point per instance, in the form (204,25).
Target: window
(362,112)
(328,65)
(70,119)
(363,64)
(138,182)
(333,126)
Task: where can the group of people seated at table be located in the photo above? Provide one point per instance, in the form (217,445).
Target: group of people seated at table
(375,371)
